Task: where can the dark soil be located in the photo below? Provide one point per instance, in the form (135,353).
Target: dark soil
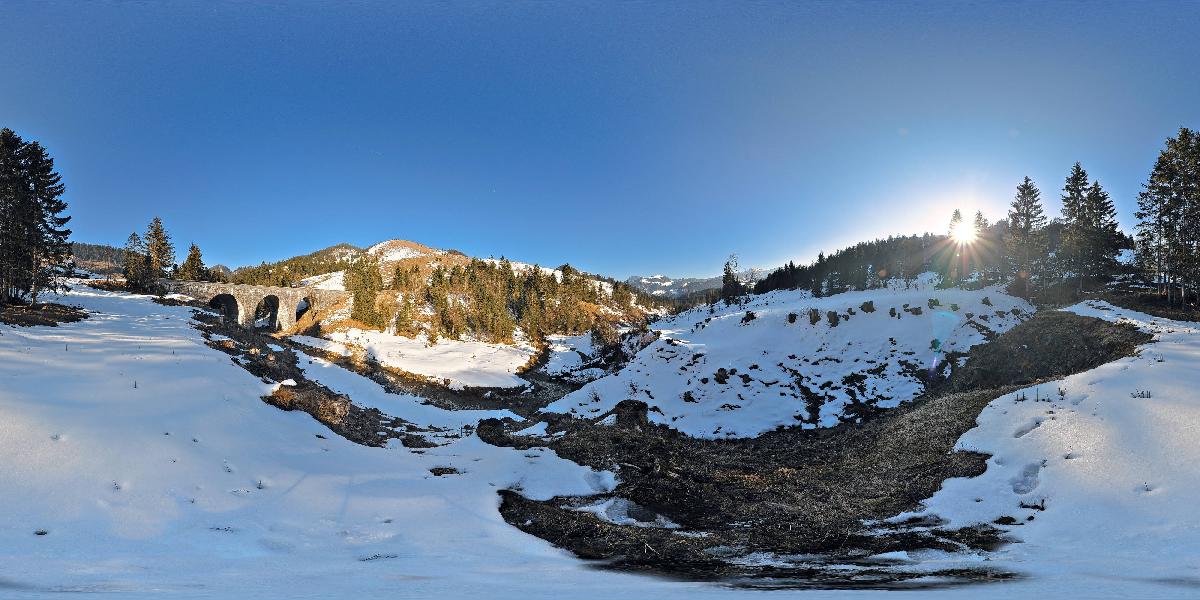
(795,491)
(1050,344)
(42,314)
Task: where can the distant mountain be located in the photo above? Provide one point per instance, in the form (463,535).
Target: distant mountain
(678,287)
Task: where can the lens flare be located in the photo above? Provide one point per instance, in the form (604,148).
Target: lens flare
(963,236)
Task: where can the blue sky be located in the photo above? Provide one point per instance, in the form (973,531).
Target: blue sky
(620,137)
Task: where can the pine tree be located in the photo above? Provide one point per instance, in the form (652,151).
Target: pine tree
(159,249)
(35,253)
(1168,230)
(1073,253)
(1101,239)
(731,288)
(1025,241)
(193,268)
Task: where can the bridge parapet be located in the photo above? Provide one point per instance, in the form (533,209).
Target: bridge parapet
(240,301)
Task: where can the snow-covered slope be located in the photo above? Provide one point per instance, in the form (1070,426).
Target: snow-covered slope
(1106,472)
(740,371)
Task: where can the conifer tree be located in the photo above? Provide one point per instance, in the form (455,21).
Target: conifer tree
(35,253)
(1025,241)
(159,249)
(1168,230)
(193,268)
(731,288)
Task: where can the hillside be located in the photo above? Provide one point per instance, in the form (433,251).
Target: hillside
(101,259)
(449,318)
(786,358)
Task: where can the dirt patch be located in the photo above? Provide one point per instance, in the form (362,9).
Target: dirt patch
(1050,344)
(42,314)
(793,491)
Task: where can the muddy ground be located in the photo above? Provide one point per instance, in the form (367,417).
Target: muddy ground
(795,491)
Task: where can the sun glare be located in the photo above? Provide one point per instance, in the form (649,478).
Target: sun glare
(964,236)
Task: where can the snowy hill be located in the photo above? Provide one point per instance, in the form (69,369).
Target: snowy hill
(742,370)
(188,485)
(677,287)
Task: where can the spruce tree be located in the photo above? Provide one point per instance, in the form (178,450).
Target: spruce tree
(35,253)
(159,249)
(193,268)
(1073,252)
(1168,230)
(731,288)
(1025,241)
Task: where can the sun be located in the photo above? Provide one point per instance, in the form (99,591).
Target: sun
(963,236)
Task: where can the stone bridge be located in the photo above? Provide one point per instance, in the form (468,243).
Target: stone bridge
(241,302)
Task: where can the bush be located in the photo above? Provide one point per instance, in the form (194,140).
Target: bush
(749,316)
(832,316)
(791,318)
(986,301)
(868,306)
(892,311)
(814,316)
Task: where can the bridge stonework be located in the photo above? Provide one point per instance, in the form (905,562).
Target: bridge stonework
(248,297)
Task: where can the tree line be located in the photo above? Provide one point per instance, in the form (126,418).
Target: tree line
(1037,256)
(151,256)
(1168,230)
(35,251)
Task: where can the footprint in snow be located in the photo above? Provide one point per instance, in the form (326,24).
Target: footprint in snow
(1027,480)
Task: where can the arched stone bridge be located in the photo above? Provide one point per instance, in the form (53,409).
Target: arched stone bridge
(240,302)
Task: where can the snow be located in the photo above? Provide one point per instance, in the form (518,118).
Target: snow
(328,281)
(567,356)
(1116,471)
(394,250)
(465,363)
(189,486)
(769,354)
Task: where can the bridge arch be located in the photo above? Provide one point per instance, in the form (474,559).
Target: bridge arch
(228,305)
(303,305)
(266,310)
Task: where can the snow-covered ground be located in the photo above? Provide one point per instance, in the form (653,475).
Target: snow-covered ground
(568,354)
(767,358)
(1113,461)
(328,281)
(187,485)
(461,362)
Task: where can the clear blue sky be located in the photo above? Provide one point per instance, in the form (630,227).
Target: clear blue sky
(621,137)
